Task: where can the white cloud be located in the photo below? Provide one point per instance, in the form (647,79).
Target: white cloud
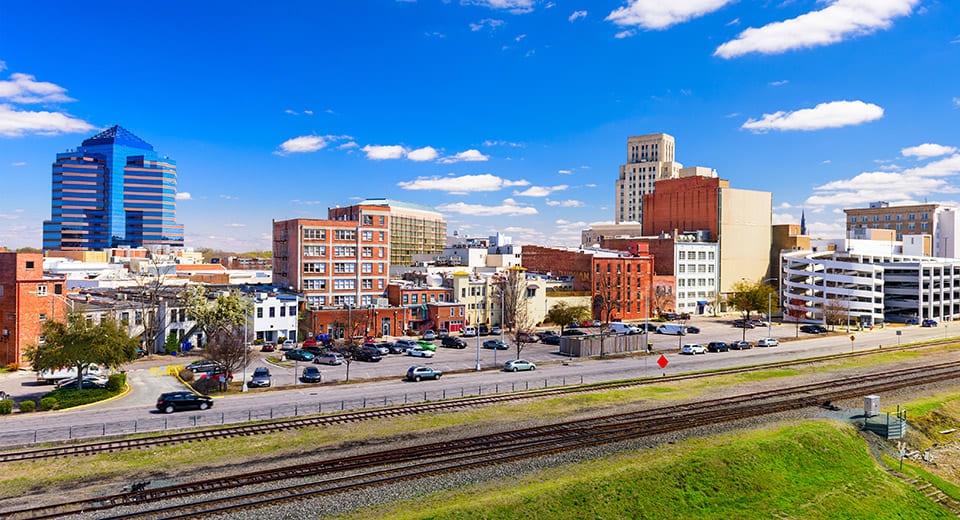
(778,83)
(427,153)
(383,152)
(308,112)
(911,184)
(24,88)
(825,115)
(577,14)
(490,142)
(347,145)
(783,205)
(307,143)
(522,36)
(927,150)
(784,218)
(625,34)
(840,20)
(3,65)
(658,14)
(461,184)
(16,123)
(435,34)
(20,163)
(509,207)
(956,102)
(735,21)
(569,203)
(565,172)
(228,197)
(486,23)
(291,112)
(540,191)
(471,155)
(590,185)
(513,6)
(184,195)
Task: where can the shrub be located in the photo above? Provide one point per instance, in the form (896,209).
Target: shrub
(13,367)
(172,344)
(70,397)
(205,385)
(281,339)
(258,341)
(6,407)
(186,374)
(116,382)
(28,406)
(48,403)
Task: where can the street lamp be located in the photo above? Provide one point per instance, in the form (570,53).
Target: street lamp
(245,320)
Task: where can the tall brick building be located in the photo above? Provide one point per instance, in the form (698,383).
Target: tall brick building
(337,262)
(27,299)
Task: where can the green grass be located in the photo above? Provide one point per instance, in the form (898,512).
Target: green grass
(70,397)
(948,488)
(813,470)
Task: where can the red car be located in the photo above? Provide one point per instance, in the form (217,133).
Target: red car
(309,343)
(267,347)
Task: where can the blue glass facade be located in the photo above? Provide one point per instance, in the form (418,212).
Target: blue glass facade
(114,190)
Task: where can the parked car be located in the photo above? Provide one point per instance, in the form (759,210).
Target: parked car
(420,373)
(309,343)
(669,316)
(442,333)
(174,401)
(649,327)
(674,330)
(551,340)
(718,346)
(495,331)
(300,355)
(545,334)
(690,329)
(768,342)
(426,345)
(495,344)
(215,374)
(406,343)
(382,348)
(329,358)
(741,345)
(483,330)
(526,337)
(912,321)
(469,331)
(928,323)
(742,324)
(429,335)
(88,382)
(396,348)
(574,332)
(316,350)
(693,349)
(268,347)
(370,355)
(311,375)
(451,342)
(202,366)
(684,316)
(288,345)
(516,365)
(260,378)
(590,323)
(419,352)
(617,327)
(813,329)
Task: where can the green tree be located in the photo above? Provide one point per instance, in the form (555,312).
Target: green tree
(564,315)
(79,343)
(226,311)
(749,297)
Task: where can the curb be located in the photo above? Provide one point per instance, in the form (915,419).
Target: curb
(126,390)
(190,388)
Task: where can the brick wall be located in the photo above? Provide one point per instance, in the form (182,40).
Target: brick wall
(27,300)
(631,280)
(559,262)
(687,204)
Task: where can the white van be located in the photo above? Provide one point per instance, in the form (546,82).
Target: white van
(674,330)
(617,327)
(57,374)
(469,331)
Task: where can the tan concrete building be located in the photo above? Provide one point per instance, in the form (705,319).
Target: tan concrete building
(598,233)
(941,222)
(414,228)
(650,158)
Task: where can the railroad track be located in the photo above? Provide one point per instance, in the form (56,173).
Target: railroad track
(91,448)
(448,456)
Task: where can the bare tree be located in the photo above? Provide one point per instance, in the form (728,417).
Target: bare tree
(149,295)
(511,293)
(834,312)
(523,323)
(606,303)
(226,347)
(662,301)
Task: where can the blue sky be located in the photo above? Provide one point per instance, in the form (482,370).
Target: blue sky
(505,114)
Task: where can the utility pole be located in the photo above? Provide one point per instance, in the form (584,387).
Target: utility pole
(769,318)
(245,320)
(478,351)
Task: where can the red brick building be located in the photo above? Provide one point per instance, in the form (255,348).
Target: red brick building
(337,262)
(687,204)
(662,250)
(560,263)
(398,294)
(383,321)
(27,299)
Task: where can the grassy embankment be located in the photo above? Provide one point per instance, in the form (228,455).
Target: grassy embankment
(815,470)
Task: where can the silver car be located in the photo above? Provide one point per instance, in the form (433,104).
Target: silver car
(516,365)
(260,378)
(330,358)
(419,351)
(429,335)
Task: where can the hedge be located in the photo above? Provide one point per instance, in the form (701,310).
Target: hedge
(28,406)
(6,407)
(116,382)
(70,397)
(48,403)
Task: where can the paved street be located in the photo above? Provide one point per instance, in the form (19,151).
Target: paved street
(138,404)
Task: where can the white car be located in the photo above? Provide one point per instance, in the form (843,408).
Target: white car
(429,335)
(288,345)
(693,349)
(768,342)
(70,382)
(419,352)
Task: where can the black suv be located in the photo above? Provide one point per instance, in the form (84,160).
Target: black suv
(371,355)
(483,330)
(813,329)
(173,401)
(718,346)
(451,342)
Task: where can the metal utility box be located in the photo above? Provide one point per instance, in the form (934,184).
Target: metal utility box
(871,405)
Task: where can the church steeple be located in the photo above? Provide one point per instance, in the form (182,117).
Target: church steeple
(803,223)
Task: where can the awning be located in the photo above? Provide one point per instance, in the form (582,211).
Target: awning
(703,303)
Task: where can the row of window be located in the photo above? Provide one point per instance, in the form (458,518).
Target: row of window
(699,294)
(694,282)
(413,298)
(339,300)
(343,284)
(694,268)
(272,311)
(695,255)
(887,218)
(899,227)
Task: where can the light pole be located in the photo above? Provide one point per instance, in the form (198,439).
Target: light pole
(769,309)
(245,320)
(478,351)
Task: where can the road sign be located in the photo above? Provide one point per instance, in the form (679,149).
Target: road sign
(899,333)
(852,337)
(662,362)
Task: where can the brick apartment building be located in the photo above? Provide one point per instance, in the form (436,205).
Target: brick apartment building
(384,321)
(630,274)
(398,294)
(342,261)
(27,299)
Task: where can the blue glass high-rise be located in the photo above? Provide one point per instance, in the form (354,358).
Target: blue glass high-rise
(114,190)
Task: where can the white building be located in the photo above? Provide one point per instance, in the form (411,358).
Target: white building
(696,267)
(274,315)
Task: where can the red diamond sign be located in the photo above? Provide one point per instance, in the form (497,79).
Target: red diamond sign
(662,362)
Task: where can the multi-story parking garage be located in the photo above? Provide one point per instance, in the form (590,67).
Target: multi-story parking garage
(871,288)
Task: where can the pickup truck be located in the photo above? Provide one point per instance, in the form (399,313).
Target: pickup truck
(57,374)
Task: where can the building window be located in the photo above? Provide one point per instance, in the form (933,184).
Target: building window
(531,293)
(29,265)
(911,225)
(682,255)
(273,312)
(368,220)
(42,289)
(912,216)
(315,234)
(899,218)
(345,234)
(42,339)
(42,317)
(863,219)
(853,219)
(380,283)
(344,251)
(876,218)
(259,312)
(923,225)
(366,283)
(886,218)
(404,299)
(283,311)
(924,216)
(366,300)
(314,251)
(57,288)
(367,268)
(413,298)
(344,268)
(344,283)
(381,236)
(368,236)
(899,226)
(367,252)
